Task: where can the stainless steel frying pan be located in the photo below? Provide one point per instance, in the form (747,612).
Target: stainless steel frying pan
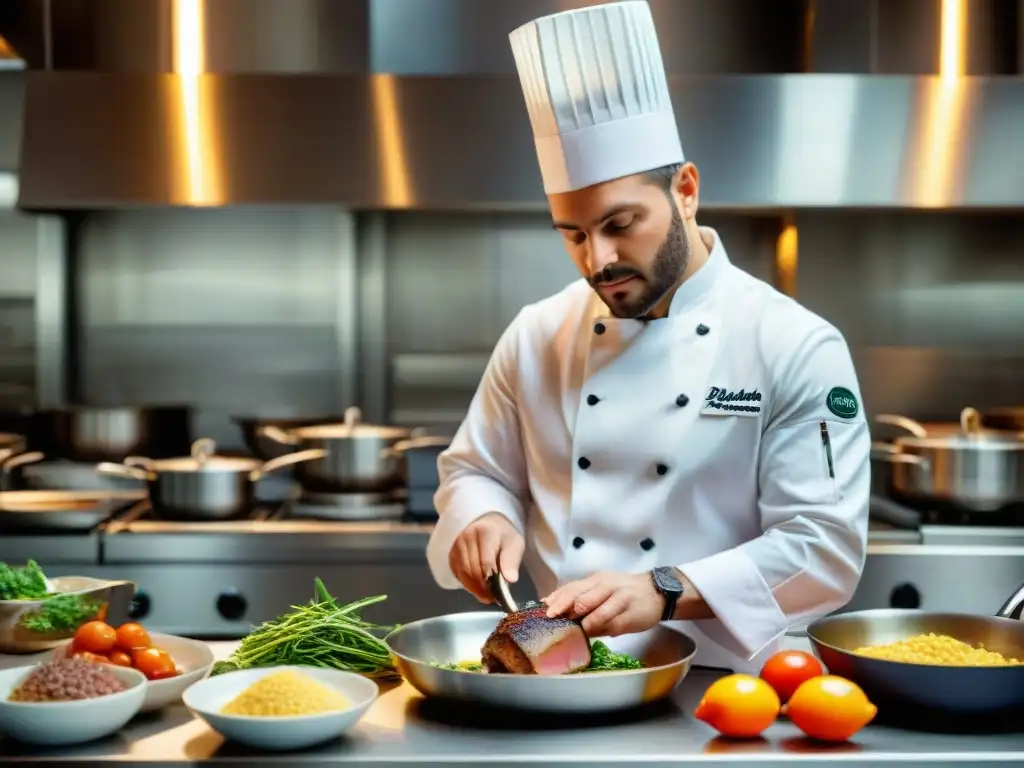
(892,684)
(422,645)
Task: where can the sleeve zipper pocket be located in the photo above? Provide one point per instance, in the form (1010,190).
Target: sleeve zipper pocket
(826,443)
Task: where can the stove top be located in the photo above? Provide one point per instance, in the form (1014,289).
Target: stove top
(305,514)
(348,506)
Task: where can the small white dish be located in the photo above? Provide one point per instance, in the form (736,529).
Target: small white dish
(208,697)
(60,723)
(193,658)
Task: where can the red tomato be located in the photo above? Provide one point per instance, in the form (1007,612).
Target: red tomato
(95,637)
(788,670)
(120,658)
(154,663)
(132,637)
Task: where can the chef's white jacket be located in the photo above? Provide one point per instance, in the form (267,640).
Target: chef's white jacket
(695,441)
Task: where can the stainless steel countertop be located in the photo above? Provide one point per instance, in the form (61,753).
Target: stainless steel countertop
(402,728)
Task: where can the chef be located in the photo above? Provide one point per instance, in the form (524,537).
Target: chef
(668,438)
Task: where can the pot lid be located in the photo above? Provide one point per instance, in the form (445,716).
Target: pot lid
(968,428)
(351,427)
(203,459)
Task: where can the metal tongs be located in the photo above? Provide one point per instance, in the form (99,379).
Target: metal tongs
(501,593)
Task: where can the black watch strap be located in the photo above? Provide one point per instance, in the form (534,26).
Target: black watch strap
(666,581)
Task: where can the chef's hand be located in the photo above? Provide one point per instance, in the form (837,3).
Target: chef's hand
(610,604)
(488,543)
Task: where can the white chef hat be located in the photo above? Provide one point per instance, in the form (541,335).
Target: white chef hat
(597,95)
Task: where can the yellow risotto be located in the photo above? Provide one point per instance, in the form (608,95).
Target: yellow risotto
(285,694)
(937,649)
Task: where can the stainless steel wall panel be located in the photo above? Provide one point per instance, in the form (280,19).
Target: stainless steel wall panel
(242,312)
(149,36)
(457,37)
(372,312)
(457,281)
(12,104)
(530,263)
(904,37)
(908,36)
(53,321)
(31,290)
(932,305)
(441,291)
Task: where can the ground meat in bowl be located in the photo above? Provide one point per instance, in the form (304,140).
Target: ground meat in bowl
(67,680)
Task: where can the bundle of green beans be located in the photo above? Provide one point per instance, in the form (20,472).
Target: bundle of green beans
(321,634)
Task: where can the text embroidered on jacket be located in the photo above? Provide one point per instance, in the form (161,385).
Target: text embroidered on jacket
(723,399)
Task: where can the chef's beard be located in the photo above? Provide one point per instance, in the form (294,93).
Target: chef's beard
(667,271)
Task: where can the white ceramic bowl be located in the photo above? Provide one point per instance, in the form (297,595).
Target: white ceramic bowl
(193,658)
(206,699)
(56,723)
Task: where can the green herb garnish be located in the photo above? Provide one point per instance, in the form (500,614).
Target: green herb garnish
(463,666)
(320,634)
(603,659)
(62,613)
(27,583)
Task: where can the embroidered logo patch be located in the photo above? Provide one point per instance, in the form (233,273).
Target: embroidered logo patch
(721,401)
(842,402)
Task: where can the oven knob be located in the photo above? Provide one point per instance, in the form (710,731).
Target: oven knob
(139,607)
(232,606)
(905,596)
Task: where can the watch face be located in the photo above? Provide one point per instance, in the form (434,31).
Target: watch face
(666,579)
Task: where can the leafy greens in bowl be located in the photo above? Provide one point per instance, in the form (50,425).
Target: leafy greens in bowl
(38,614)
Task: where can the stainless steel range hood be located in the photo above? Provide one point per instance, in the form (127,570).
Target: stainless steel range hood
(415,104)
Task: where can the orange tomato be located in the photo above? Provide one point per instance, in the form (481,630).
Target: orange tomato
(120,658)
(132,637)
(154,663)
(788,670)
(95,637)
(739,706)
(830,708)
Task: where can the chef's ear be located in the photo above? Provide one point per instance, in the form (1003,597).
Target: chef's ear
(686,190)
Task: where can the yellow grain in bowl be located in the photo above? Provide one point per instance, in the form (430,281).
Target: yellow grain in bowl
(286,694)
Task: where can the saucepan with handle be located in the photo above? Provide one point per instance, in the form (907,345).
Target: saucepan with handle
(971,469)
(358,457)
(203,486)
(892,685)
(425,652)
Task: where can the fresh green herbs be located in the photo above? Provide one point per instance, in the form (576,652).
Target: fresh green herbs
(57,612)
(62,613)
(603,659)
(462,666)
(320,634)
(27,583)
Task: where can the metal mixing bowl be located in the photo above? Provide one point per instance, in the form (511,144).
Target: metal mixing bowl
(111,599)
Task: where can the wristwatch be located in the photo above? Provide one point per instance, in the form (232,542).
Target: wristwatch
(666,581)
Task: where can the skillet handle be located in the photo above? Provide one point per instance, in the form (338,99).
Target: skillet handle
(1014,607)
(283,461)
(122,470)
(915,428)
